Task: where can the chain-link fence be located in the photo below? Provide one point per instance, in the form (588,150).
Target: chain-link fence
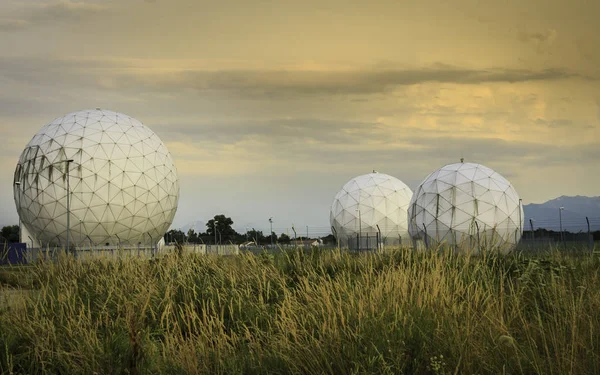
(571,234)
(538,235)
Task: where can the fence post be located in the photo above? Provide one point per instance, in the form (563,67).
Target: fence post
(532,232)
(426,239)
(357,242)
(590,237)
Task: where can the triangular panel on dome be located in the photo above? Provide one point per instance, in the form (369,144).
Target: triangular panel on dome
(447,177)
(462,219)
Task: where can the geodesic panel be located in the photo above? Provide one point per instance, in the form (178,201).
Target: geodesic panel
(368,201)
(469,206)
(122,182)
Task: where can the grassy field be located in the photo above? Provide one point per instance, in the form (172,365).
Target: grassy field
(321,312)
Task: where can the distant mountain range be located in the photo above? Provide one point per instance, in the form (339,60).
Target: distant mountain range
(576,209)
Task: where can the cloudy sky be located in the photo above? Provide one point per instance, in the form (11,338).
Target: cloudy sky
(269,107)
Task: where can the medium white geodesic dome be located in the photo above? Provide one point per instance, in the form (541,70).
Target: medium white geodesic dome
(122,181)
(468,206)
(368,201)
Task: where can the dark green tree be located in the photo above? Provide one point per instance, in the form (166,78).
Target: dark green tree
(239,238)
(192,236)
(329,239)
(225,232)
(272,236)
(175,235)
(257,236)
(9,234)
(284,239)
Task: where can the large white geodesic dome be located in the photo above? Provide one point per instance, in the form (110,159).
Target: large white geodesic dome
(122,182)
(468,206)
(368,201)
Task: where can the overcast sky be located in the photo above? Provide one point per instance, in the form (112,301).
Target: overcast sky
(269,107)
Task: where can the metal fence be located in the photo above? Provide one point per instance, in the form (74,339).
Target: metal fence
(35,254)
(13,253)
(370,242)
(20,254)
(554,240)
(565,234)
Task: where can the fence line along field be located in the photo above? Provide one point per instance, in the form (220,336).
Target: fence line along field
(304,312)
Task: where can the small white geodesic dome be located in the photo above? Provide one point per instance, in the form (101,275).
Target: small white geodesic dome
(468,206)
(377,199)
(122,180)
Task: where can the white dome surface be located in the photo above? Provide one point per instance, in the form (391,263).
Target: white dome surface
(123,182)
(378,199)
(467,205)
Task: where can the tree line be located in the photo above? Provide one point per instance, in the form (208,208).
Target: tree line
(223,233)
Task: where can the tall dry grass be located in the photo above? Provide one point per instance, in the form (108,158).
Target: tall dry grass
(308,313)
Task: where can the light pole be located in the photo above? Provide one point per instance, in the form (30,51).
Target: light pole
(69,161)
(215,228)
(271,223)
(560,210)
